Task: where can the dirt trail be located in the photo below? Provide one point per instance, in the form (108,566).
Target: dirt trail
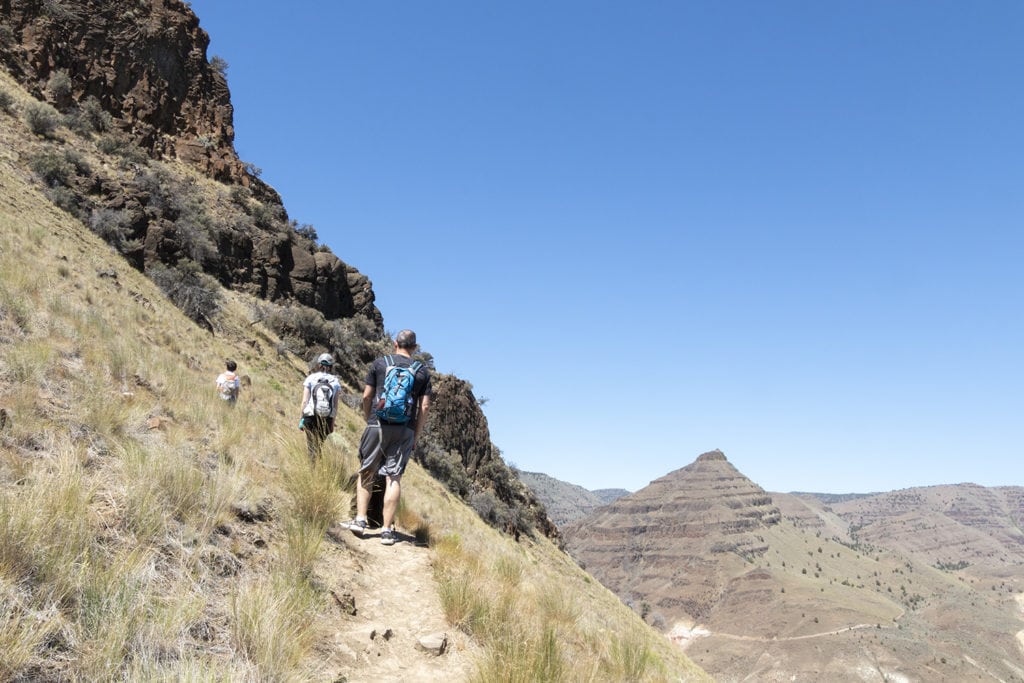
(1020,634)
(396,604)
(685,635)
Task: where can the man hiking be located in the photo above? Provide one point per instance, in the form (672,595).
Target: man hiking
(320,393)
(228,383)
(396,399)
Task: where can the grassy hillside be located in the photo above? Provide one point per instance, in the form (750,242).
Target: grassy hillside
(149,532)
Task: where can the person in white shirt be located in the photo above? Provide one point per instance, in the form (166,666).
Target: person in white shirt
(320,392)
(228,383)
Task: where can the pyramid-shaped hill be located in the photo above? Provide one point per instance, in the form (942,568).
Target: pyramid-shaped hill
(707,499)
(661,544)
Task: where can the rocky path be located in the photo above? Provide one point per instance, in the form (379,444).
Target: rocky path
(397,613)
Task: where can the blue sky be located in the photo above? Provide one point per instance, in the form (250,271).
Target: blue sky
(645,230)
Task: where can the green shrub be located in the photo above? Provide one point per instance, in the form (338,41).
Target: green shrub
(195,293)
(52,167)
(65,199)
(118,144)
(60,87)
(42,119)
(89,117)
(267,216)
(114,227)
(241,195)
(191,221)
(6,101)
(219,66)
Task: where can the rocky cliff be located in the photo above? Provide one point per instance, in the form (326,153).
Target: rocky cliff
(127,76)
(457,450)
(144,62)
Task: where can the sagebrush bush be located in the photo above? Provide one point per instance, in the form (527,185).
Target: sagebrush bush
(446,467)
(192,223)
(66,199)
(115,227)
(195,293)
(116,143)
(219,66)
(53,167)
(59,87)
(89,117)
(42,119)
(6,101)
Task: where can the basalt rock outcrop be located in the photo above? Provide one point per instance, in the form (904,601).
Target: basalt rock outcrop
(145,66)
(457,450)
(144,62)
(660,544)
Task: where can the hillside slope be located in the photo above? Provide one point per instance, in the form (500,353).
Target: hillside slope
(919,585)
(564,502)
(150,532)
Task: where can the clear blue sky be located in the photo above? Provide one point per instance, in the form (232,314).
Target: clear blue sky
(645,230)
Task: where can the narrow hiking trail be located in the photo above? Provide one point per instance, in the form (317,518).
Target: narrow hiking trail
(396,604)
(685,636)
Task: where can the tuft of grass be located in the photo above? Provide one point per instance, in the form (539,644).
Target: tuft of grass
(314,489)
(30,551)
(28,361)
(110,608)
(271,624)
(630,659)
(165,485)
(22,633)
(407,518)
(454,569)
(303,546)
(13,306)
(509,570)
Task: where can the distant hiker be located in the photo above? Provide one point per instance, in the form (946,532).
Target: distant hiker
(396,398)
(228,383)
(320,393)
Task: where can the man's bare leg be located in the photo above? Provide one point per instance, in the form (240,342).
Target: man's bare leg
(392,492)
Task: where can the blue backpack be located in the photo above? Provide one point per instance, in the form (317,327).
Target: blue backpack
(397,403)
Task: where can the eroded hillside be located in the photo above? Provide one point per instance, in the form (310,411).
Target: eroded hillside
(916,585)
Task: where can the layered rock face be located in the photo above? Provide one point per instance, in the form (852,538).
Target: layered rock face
(146,64)
(946,525)
(659,545)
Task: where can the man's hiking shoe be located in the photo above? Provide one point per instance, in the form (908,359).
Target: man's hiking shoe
(387,537)
(356,526)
